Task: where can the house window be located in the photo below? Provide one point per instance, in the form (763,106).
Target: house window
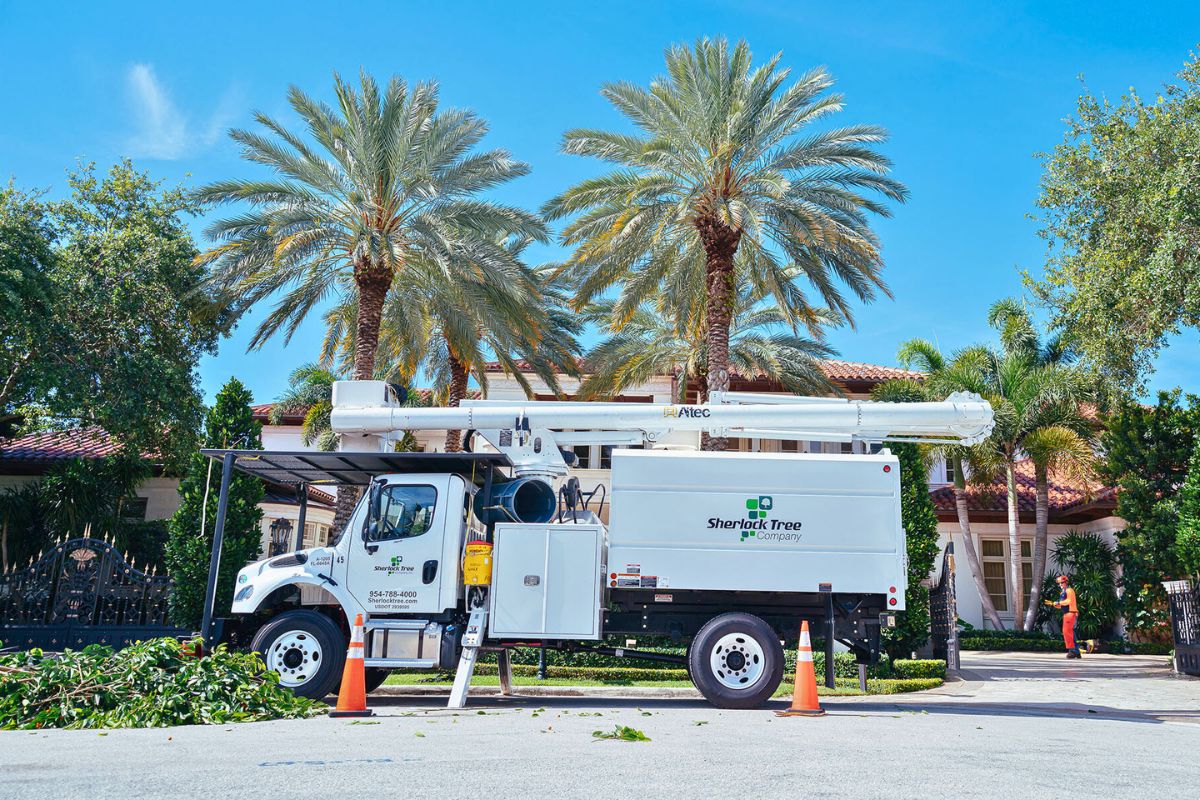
(133,509)
(994,555)
(606,452)
(994,570)
(316,534)
(583,456)
(950,475)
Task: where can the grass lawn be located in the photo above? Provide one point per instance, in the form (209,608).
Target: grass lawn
(845,688)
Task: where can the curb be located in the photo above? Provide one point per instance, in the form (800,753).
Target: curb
(545,691)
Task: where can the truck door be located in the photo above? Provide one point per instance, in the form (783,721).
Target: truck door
(398,566)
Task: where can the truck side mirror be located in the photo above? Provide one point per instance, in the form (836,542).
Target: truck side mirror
(370,529)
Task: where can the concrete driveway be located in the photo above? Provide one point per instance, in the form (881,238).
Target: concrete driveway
(1017,725)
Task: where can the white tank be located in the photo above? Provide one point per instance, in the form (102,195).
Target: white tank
(769,522)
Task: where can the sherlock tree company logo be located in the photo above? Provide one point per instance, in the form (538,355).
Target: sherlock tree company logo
(395,565)
(757,524)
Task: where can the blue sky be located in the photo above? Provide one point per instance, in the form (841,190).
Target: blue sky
(969,91)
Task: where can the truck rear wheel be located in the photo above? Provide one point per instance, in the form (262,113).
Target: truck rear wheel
(307,650)
(736,661)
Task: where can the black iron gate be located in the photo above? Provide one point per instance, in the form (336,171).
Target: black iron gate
(82,592)
(943,612)
(1185,625)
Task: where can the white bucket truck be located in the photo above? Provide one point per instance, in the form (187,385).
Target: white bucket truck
(726,551)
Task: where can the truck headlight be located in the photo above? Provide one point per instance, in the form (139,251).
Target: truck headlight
(243,593)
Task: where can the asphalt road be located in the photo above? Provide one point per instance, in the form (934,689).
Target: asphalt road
(1018,726)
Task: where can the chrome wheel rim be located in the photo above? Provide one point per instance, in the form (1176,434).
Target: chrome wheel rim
(737,661)
(296,656)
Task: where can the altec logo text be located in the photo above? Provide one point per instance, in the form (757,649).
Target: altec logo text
(757,525)
(685,411)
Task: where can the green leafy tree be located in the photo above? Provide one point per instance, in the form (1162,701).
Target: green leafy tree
(653,341)
(921,541)
(1187,540)
(117,317)
(229,423)
(1120,209)
(1147,451)
(725,181)
(380,182)
(27,324)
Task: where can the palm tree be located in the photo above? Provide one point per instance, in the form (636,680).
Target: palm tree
(380,181)
(446,330)
(944,376)
(309,392)
(651,343)
(718,186)
(1032,388)
(1055,449)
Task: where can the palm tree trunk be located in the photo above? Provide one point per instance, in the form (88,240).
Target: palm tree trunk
(1016,580)
(343,509)
(1040,541)
(964,525)
(373,283)
(720,244)
(459,376)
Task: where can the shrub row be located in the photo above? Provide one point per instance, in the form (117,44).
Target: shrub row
(919,668)
(1046,643)
(908,683)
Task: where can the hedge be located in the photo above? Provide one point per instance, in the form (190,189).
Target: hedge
(912,683)
(919,668)
(1038,642)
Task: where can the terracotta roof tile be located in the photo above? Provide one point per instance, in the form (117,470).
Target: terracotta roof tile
(1064,496)
(836,369)
(50,446)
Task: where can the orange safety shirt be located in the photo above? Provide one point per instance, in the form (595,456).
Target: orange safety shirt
(1067,600)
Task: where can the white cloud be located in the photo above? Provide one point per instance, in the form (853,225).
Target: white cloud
(163,130)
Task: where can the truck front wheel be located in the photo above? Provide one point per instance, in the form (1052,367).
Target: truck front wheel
(307,650)
(736,661)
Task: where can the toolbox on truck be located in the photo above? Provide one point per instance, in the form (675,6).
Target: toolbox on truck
(546,581)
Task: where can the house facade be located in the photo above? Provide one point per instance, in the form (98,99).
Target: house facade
(26,459)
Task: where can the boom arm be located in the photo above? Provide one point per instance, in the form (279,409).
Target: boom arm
(524,430)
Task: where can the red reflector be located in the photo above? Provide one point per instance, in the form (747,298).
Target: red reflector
(892,602)
(887,467)
(613,576)
(892,589)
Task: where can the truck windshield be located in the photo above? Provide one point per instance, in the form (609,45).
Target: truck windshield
(405,511)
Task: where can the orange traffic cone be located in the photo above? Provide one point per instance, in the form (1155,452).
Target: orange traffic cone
(804,696)
(352,696)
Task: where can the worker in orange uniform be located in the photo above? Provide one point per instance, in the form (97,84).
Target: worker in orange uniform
(1070,606)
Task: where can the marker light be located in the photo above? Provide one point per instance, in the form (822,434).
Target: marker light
(887,467)
(892,602)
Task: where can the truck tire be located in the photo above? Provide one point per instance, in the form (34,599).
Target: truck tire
(306,648)
(375,677)
(736,661)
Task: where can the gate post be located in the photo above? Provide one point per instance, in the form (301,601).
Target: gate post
(214,562)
